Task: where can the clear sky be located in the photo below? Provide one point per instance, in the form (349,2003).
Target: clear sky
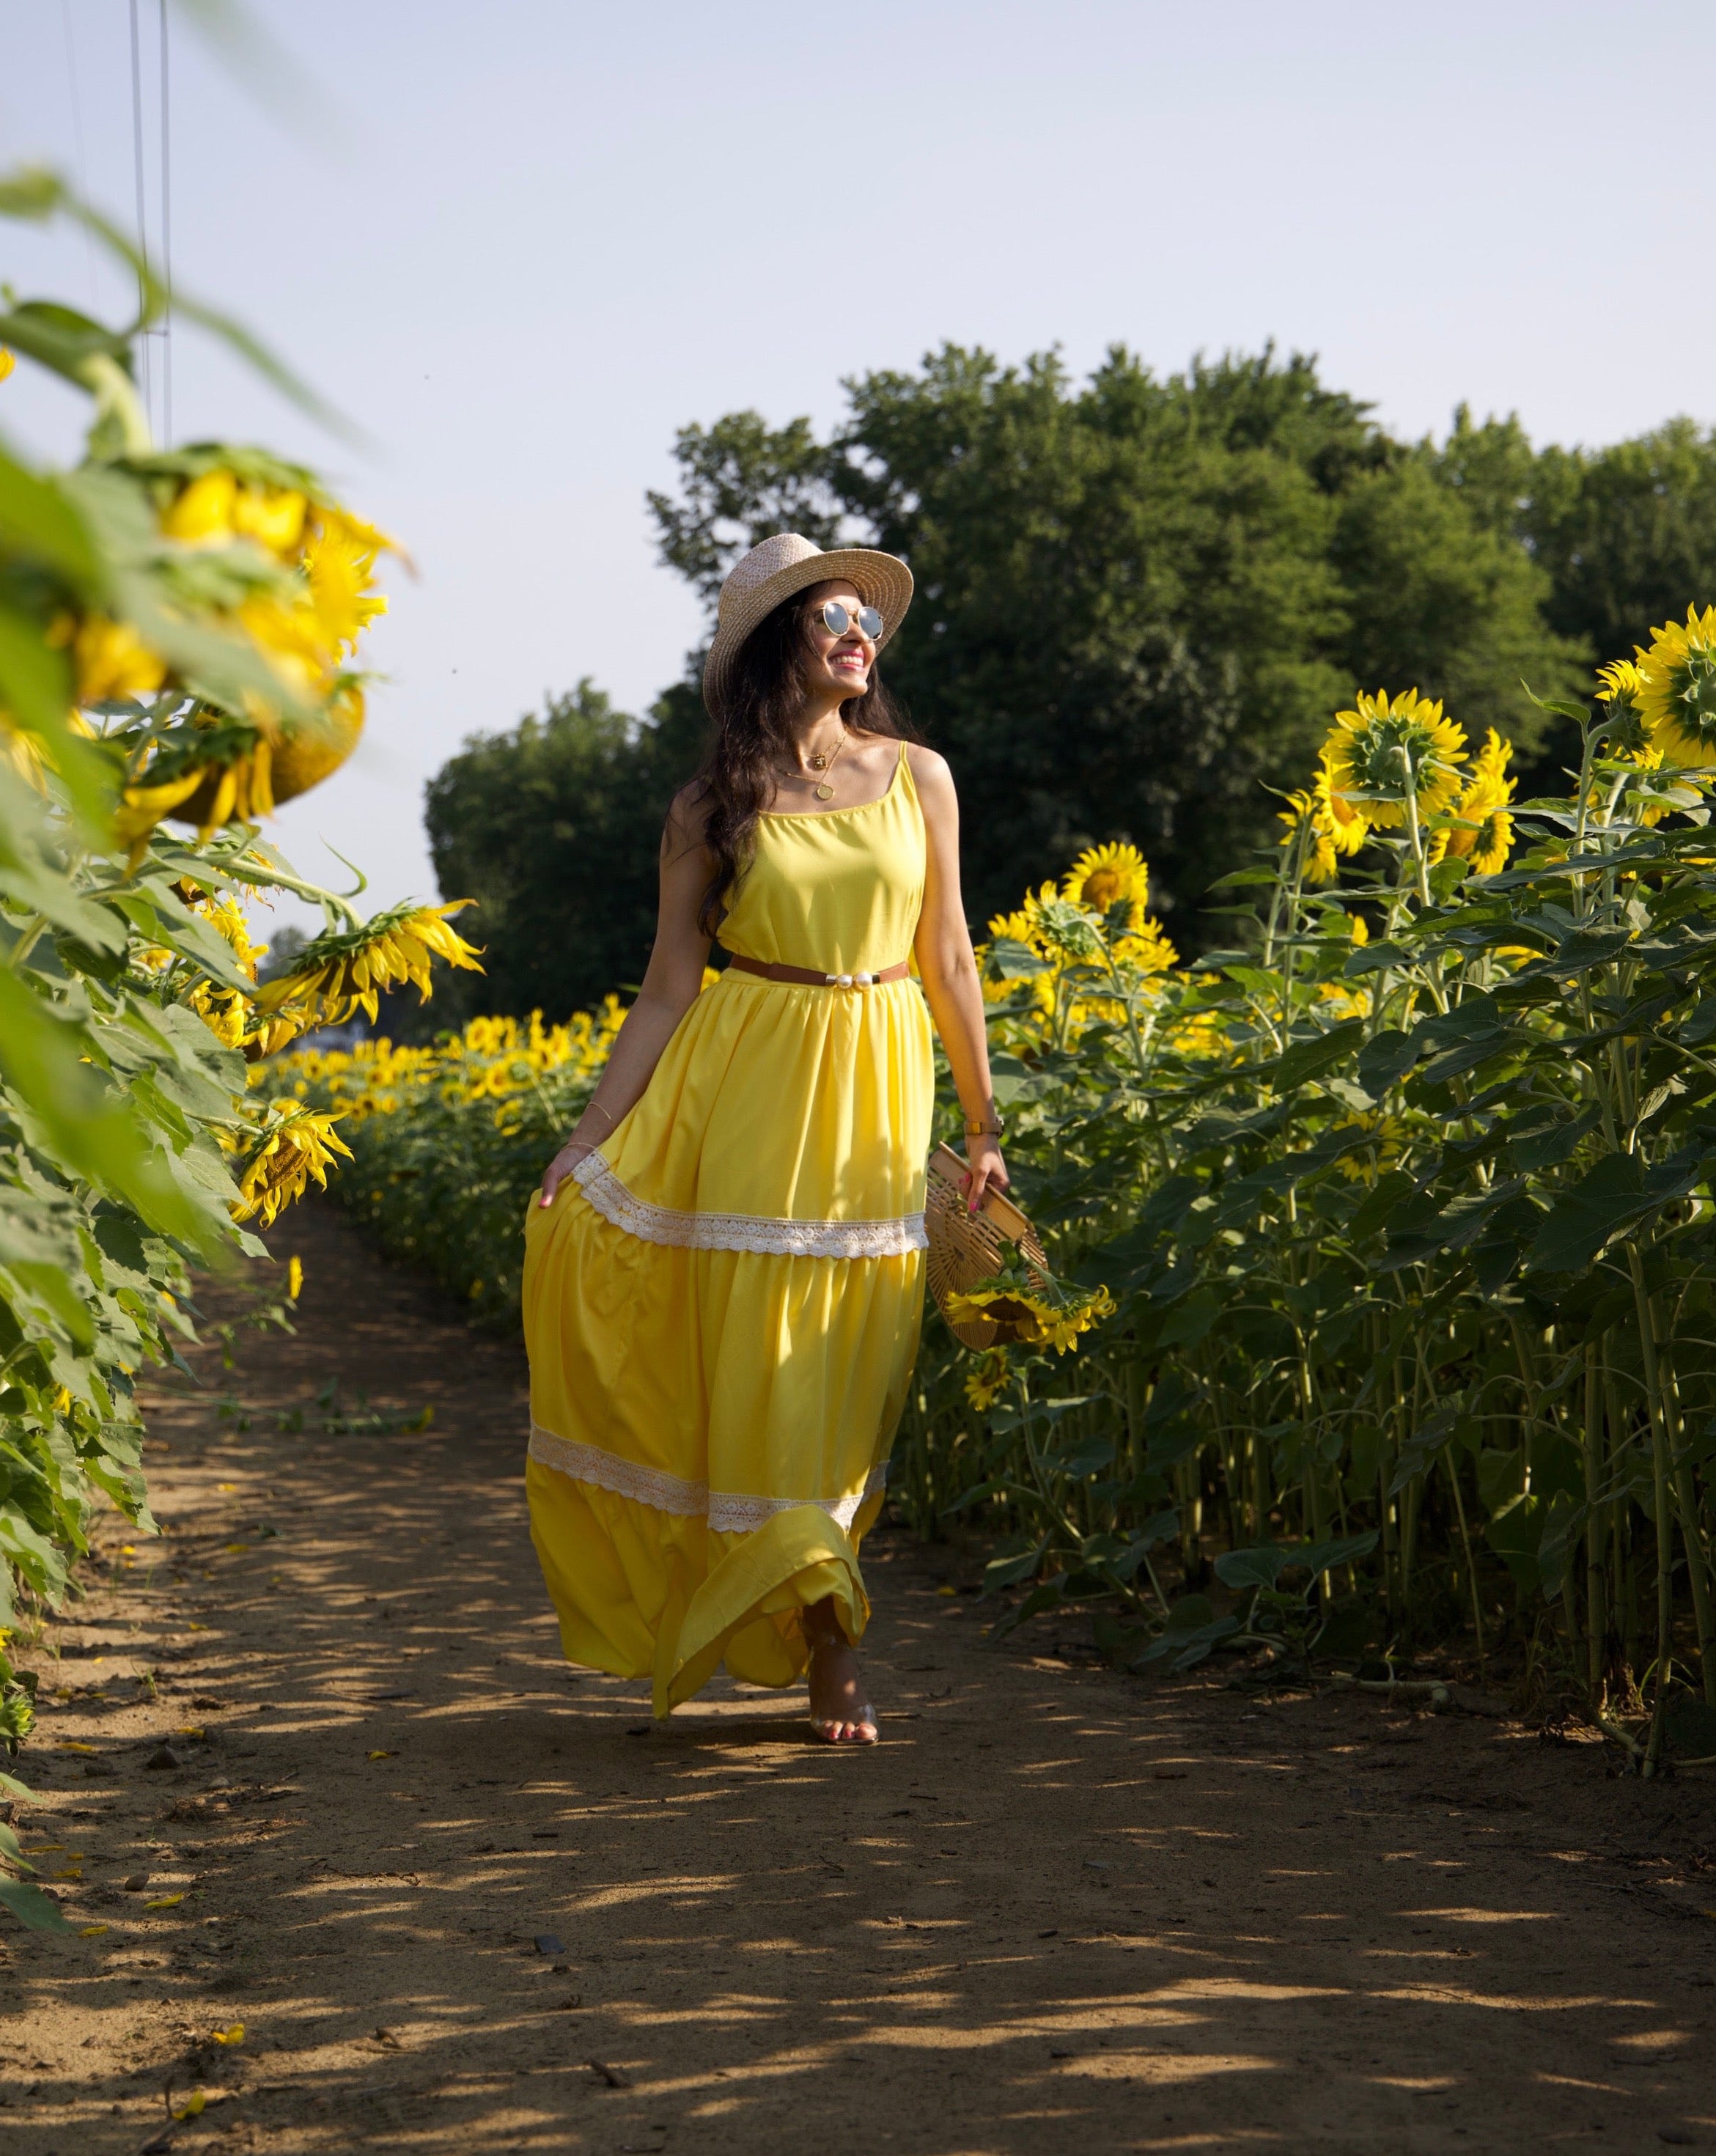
(520,243)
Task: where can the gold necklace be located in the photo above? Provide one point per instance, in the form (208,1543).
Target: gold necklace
(825,761)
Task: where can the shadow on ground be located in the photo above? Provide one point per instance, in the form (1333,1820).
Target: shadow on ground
(461,1897)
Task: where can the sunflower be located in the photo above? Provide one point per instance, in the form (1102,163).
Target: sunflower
(1482,832)
(219,506)
(1103,876)
(1392,749)
(1337,828)
(1677,689)
(1038,1320)
(987,1378)
(300,1143)
(1376,1144)
(1147,949)
(1624,730)
(338,974)
(112,661)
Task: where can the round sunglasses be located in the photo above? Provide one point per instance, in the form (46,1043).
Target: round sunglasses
(837,617)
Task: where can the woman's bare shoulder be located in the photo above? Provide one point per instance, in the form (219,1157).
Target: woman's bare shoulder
(687,816)
(930,770)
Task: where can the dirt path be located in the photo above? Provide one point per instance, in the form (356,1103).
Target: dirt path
(1056,1910)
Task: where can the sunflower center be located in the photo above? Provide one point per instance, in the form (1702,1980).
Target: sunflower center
(1102,887)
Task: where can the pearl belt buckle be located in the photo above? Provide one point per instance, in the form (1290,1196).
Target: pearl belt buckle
(850,980)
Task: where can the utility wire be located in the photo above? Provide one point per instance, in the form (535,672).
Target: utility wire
(166,239)
(137,180)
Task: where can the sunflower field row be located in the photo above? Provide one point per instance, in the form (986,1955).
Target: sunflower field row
(1385,1235)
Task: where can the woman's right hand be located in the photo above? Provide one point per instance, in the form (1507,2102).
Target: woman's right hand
(563,1163)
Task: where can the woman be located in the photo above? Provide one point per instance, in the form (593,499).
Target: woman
(723,1277)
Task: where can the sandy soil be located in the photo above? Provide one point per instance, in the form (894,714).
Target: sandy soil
(463,1898)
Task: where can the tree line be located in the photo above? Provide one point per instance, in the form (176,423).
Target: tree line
(1139,599)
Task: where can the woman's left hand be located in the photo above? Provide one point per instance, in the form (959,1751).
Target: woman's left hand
(988,1171)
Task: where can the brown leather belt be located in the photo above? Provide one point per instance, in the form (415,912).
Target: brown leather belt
(801,976)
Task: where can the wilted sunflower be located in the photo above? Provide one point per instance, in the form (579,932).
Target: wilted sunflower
(1391,750)
(300,1144)
(337,974)
(1102,876)
(1677,689)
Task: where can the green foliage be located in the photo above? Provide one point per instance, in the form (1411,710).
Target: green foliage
(131,1146)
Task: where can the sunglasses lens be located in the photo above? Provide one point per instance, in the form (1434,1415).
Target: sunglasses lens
(835,619)
(870,622)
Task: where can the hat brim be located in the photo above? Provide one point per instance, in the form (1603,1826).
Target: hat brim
(880,580)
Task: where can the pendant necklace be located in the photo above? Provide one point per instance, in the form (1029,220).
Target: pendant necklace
(823,762)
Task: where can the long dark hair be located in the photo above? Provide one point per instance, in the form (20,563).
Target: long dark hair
(752,738)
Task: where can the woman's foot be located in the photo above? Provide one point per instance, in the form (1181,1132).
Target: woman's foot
(839,1713)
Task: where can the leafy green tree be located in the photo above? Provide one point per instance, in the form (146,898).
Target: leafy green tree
(1140,598)
(553,828)
(1627,534)
(1441,599)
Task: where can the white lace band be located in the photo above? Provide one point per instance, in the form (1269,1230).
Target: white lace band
(726,1513)
(744,1231)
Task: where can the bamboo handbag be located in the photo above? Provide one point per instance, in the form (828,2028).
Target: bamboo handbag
(967,1247)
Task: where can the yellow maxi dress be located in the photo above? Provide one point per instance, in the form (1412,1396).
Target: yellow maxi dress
(722,1315)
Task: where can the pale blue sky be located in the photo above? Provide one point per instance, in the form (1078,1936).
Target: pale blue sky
(527,240)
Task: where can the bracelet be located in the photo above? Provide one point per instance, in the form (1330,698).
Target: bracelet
(599,1110)
(993,1128)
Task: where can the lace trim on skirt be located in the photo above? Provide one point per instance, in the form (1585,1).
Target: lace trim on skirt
(744,1231)
(727,1512)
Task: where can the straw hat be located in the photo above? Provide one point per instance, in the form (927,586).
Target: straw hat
(786,563)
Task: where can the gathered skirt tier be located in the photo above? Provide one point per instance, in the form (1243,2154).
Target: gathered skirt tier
(722,1315)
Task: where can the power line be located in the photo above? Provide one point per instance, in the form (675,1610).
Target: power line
(165,241)
(137,180)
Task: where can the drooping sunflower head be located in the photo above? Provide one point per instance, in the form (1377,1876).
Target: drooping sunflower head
(1391,750)
(1623,726)
(1676,692)
(300,1143)
(1103,876)
(337,974)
